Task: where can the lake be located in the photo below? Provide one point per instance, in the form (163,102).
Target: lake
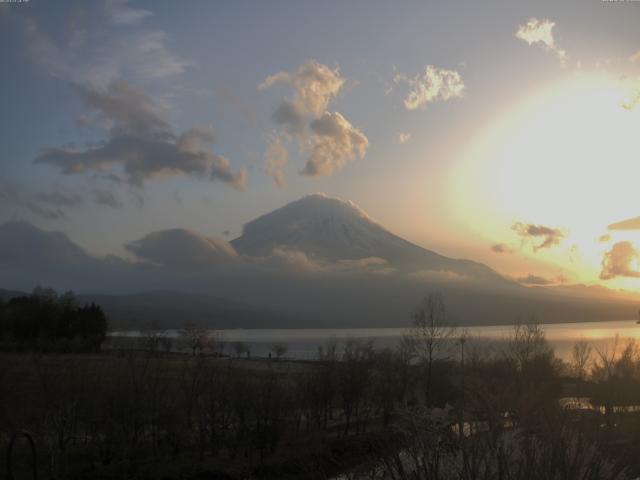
(304,343)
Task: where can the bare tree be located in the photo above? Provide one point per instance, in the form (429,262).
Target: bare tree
(215,343)
(196,338)
(150,339)
(355,379)
(239,347)
(581,358)
(280,349)
(166,341)
(431,334)
(527,344)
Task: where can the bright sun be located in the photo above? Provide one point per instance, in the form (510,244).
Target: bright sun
(565,157)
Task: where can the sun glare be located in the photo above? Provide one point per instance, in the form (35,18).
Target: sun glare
(566,157)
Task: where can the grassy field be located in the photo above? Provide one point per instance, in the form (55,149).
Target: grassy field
(130,415)
(357,412)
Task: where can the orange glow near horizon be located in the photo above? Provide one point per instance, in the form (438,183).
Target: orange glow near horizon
(566,157)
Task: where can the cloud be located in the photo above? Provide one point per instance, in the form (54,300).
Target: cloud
(144,159)
(46,213)
(127,107)
(46,52)
(291,260)
(635,57)
(629,224)
(403,137)
(182,249)
(335,142)
(141,144)
(48,206)
(119,13)
(105,54)
(540,32)
(364,265)
(61,199)
(314,84)
(291,117)
(534,280)
(550,236)
(501,248)
(328,139)
(604,238)
(107,198)
(444,276)
(541,281)
(620,261)
(188,251)
(432,85)
(144,56)
(275,159)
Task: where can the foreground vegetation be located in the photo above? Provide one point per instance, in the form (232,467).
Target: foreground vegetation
(436,407)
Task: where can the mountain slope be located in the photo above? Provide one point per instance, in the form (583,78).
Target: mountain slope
(332,229)
(173,309)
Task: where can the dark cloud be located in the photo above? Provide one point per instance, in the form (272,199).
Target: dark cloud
(550,236)
(48,206)
(620,261)
(540,281)
(501,248)
(46,213)
(129,108)
(629,224)
(107,198)
(62,199)
(534,280)
(290,116)
(142,144)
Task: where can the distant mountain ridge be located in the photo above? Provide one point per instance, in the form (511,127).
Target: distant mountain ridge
(316,262)
(171,309)
(9,294)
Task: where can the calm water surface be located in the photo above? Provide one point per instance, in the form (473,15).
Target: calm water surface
(304,343)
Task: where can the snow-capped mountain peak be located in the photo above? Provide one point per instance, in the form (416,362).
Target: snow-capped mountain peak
(333,229)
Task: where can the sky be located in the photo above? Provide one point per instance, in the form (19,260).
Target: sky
(504,132)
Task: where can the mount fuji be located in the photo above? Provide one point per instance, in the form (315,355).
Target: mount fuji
(330,229)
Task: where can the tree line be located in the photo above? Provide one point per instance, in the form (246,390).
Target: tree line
(46,321)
